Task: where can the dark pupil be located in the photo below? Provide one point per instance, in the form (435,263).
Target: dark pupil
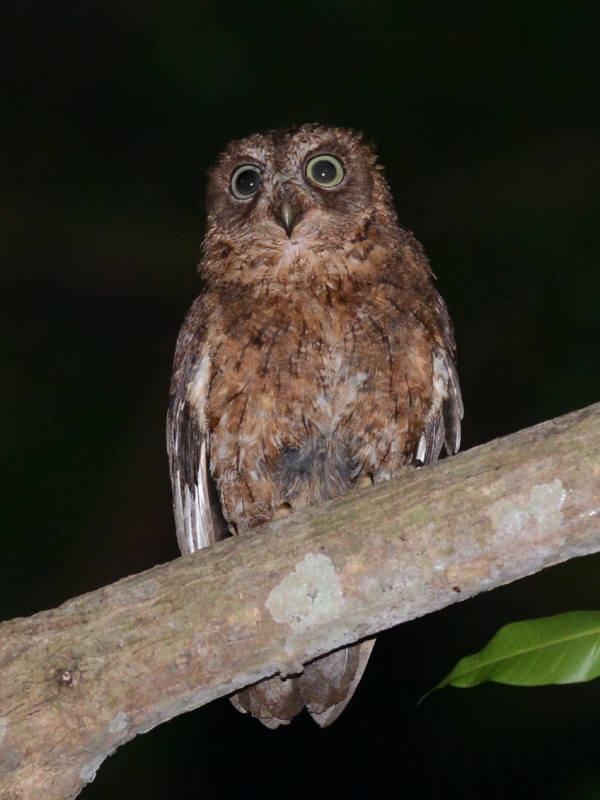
(323,171)
(247,182)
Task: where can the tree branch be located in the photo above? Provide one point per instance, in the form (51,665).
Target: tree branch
(79,681)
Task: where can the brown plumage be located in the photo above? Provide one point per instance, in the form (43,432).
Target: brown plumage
(319,358)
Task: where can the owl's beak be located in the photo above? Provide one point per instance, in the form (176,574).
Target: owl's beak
(288,215)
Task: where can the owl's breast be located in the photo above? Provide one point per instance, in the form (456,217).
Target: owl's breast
(309,400)
(304,364)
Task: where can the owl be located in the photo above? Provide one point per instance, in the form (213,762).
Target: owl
(319,358)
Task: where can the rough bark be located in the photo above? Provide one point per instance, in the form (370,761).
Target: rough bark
(79,681)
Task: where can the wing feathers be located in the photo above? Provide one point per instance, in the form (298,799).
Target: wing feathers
(443,427)
(198,517)
(453,411)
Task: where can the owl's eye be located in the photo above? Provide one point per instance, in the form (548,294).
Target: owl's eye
(246,181)
(325,171)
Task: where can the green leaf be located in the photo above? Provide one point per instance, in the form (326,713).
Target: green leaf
(560,649)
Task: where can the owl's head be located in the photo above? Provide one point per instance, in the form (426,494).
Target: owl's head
(315,188)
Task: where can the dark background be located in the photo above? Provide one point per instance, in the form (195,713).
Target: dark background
(486,117)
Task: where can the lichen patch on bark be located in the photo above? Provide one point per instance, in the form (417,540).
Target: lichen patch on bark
(310,595)
(118,723)
(542,509)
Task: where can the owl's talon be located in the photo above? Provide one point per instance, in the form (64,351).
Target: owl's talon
(283,511)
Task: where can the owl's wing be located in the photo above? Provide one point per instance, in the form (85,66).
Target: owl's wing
(447,411)
(452,410)
(198,516)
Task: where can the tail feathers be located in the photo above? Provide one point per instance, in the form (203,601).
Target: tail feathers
(325,688)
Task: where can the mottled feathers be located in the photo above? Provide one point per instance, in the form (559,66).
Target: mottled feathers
(318,358)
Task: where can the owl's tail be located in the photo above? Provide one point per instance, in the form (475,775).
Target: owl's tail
(324,688)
